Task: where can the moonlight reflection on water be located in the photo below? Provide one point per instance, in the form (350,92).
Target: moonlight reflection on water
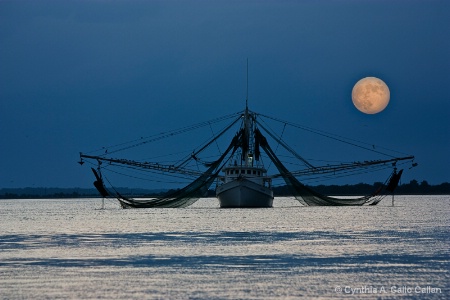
(71,249)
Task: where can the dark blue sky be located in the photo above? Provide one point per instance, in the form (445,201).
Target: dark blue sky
(76,75)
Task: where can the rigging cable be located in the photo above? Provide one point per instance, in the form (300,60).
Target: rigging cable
(278,144)
(212,131)
(160,136)
(285,146)
(335,137)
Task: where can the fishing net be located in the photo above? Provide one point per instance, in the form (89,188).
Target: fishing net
(190,193)
(302,193)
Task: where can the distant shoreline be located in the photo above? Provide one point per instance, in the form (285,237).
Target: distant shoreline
(411,188)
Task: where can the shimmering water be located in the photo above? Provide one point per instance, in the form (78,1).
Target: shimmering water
(73,249)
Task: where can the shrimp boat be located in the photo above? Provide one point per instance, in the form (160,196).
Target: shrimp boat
(246,184)
(237,167)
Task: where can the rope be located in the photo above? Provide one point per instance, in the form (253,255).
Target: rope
(336,137)
(156,137)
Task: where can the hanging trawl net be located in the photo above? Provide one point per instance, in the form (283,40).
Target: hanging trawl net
(302,193)
(189,194)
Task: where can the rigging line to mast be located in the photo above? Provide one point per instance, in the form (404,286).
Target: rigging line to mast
(158,167)
(162,135)
(217,145)
(336,137)
(278,144)
(166,156)
(285,146)
(186,160)
(168,134)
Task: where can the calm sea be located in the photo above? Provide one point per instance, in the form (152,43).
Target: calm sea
(72,249)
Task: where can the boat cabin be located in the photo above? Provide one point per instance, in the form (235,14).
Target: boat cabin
(254,174)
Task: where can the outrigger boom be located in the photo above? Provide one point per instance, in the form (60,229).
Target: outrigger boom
(143,165)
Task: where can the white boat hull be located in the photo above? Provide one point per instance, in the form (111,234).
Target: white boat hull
(244,193)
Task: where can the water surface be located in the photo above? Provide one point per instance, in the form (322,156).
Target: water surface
(70,248)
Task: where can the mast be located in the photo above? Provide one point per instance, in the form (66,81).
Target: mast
(246,98)
(247,150)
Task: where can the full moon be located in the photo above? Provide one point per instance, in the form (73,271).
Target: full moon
(370,95)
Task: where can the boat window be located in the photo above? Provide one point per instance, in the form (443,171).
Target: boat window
(259,173)
(249,172)
(242,171)
(254,172)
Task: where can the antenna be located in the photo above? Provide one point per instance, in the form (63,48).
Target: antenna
(246,98)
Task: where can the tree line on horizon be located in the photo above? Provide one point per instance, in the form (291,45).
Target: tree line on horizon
(411,188)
